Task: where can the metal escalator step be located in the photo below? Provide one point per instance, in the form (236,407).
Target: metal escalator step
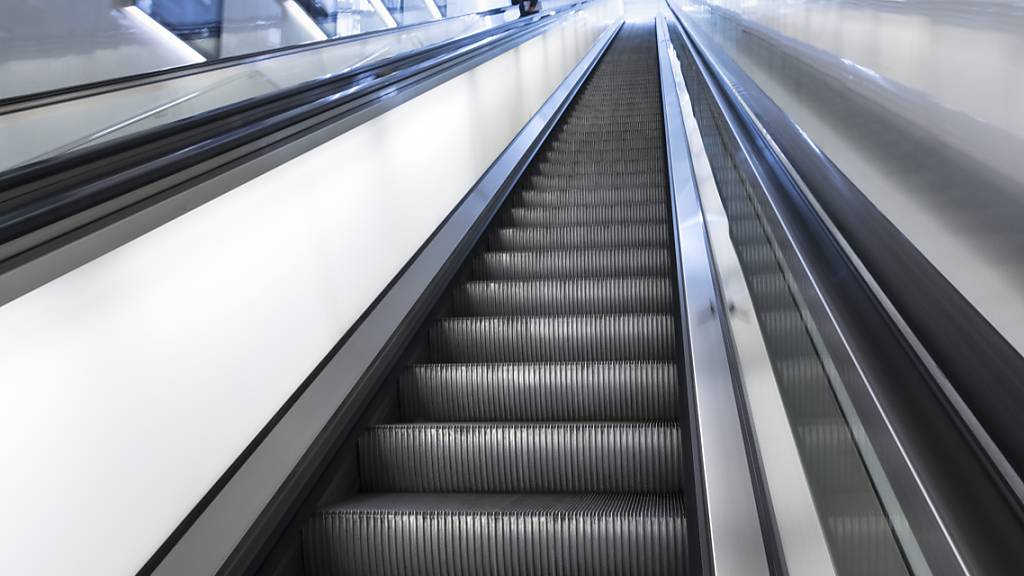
(758,259)
(806,390)
(572,264)
(597,181)
(643,130)
(589,197)
(565,297)
(601,144)
(830,457)
(770,291)
(522,457)
(860,532)
(785,333)
(580,165)
(747,232)
(639,155)
(597,119)
(498,534)
(553,338)
(595,391)
(597,214)
(580,237)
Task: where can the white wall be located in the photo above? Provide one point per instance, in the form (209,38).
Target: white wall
(131,383)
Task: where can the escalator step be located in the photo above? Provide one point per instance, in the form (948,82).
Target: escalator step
(580,237)
(758,259)
(596,391)
(590,215)
(553,338)
(581,164)
(770,291)
(593,196)
(806,390)
(602,145)
(633,156)
(564,297)
(587,182)
(521,457)
(498,534)
(572,264)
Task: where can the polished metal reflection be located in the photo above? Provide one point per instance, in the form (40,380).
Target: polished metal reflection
(737,545)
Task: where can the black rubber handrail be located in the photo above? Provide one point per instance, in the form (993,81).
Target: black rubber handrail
(43,193)
(48,97)
(987,372)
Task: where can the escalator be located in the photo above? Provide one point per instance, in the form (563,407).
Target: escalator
(539,417)
(602,343)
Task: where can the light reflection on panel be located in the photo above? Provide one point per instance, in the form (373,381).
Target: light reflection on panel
(132,382)
(41,132)
(919,105)
(57,43)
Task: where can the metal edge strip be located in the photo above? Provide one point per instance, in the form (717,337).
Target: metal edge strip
(736,544)
(801,534)
(924,551)
(985,441)
(261,480)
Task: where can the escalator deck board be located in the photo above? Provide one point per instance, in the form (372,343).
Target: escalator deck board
(540,431)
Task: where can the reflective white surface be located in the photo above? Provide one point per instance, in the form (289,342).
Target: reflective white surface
(918,103)
(37,133)
(131,383)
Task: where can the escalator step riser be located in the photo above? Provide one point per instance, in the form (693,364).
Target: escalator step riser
(588,539)
(562,297)
(519,458)
(758,259)
(628,155)
(579,166)
(770,291)
(580,237)
(586,182)
(853,535)
(553,339)
(606,146)
(831,459)
(624,133)
(595,391)
(587,215)
(589,197)
(806,391)
(647,121)
(747,232)
(571,264)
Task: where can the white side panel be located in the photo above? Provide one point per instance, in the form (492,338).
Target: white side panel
(131,383)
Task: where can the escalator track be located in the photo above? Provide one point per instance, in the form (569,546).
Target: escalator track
(539,423)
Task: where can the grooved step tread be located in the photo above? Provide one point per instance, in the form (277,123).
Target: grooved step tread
(553,391)
(582,237)
(522,457)
(572,264)
(492,534)
(563,297)
(553,338)
(644,212)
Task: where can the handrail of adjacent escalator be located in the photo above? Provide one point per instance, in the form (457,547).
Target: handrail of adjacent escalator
(48,97)
(938,363)
(42,194)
